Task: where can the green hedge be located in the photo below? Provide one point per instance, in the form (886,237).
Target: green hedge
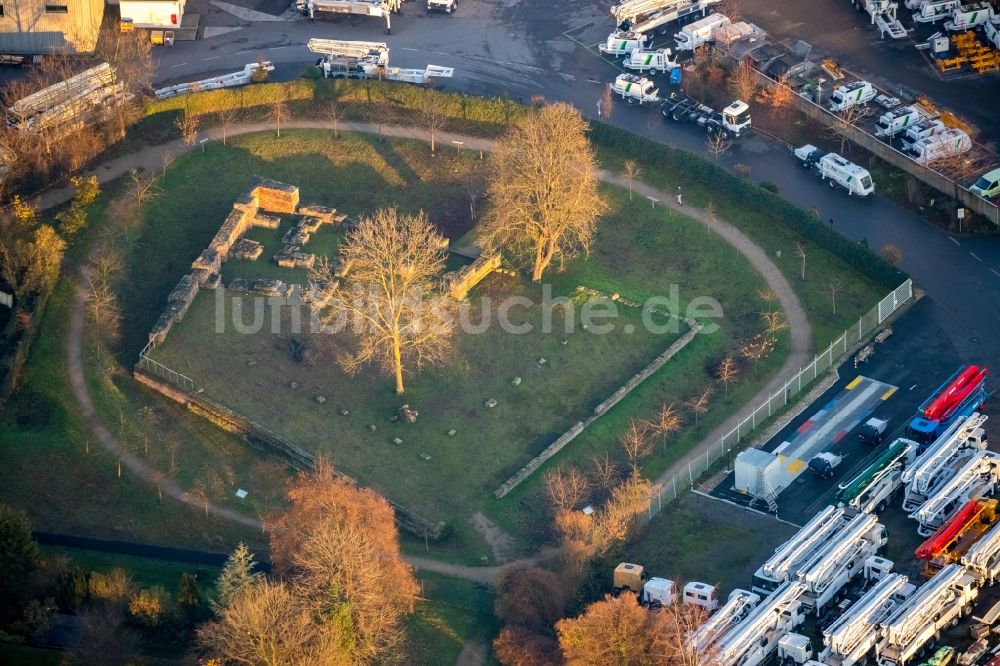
(752,196)
(494,111)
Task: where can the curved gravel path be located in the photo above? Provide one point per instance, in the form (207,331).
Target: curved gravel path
(151,159)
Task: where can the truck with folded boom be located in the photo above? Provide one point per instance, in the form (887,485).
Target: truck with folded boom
(871,490)
(853,636)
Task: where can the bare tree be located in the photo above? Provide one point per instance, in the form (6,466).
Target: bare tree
(637,442)
(767,295)
(605,472)
(607,103)
(103,309)
(743,81)
(711,215)
(774,323)
(718,144)
(168,159)
(433,114)
(149,420)
(757,348)
(395,262)
(544,192)
(726,373)
(631,171)
(227,117)
(667,422)
(892,254)
(566,489)
(833,287)
(699,404)
(104,640)
(844,122)
(335,113)
(187,124)
(800,252)
(131,56)
(279,114)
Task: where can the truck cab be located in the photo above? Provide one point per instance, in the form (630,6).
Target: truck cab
(701,594)
(443,6)
(873,431)
(824,464)
(736,118)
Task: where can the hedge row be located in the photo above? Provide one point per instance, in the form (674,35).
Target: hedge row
(494,111)
(503,112)
(752,196)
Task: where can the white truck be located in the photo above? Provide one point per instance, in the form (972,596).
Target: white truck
(734,121)
(977,478)
(896,120)
(871,490)
(790,557)
(794,649)
(642,61)
(154,14)
(443,6)
(656,15)
(992,32)
(932,468)
(635,89)
(852,94)
(240,78)
(622,42)
(851,638)
(342,59)
(658,592)
(920,129)
(829,571)
(932,11)
(737,608)
(755,639)
(837,170)
(700,32)
(983,559)
(969,17)
(946,143)
(937,604)
(376,8)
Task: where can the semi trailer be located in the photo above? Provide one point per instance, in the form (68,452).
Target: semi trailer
(733,121)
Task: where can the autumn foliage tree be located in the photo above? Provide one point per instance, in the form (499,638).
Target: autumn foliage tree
(544,191)
(516,646)
(396,261)
(530,597)
(337,545)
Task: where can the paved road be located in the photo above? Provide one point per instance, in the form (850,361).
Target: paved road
(535,47)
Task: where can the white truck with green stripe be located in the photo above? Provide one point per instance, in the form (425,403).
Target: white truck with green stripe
(896,120)
(635,89)
(946,143)
(652,61)
(970,17)
(853,94)
(622,42)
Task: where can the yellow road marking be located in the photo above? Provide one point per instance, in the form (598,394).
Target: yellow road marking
(885,396)
(854,382)
(796,466)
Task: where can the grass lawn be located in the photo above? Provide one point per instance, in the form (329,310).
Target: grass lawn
(450,612)
(702,539)
(856,294)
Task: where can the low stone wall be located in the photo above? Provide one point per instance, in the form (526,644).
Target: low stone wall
(693,329)
(272,443)
(459,283)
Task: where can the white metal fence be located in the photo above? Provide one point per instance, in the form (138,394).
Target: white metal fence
(163,372)
(778,400)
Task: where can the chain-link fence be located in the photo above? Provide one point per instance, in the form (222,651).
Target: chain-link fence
(157,369)
(780,399)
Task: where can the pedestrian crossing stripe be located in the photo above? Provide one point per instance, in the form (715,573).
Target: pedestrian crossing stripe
(796,466)
(857,380)
(887,394)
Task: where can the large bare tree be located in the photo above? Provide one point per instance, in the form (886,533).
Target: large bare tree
(395,262)
(544,193)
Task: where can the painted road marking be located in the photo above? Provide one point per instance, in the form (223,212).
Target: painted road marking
(857,380)
(796,466)
(913,387)
(887,394)
(954,241)
(975,257)
(995,272)
(242,52)
(213,57)
(180,64)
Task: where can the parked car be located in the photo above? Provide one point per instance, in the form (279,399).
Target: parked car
(988,185)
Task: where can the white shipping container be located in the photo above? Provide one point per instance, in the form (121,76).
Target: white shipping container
(753,466)
(165,14)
